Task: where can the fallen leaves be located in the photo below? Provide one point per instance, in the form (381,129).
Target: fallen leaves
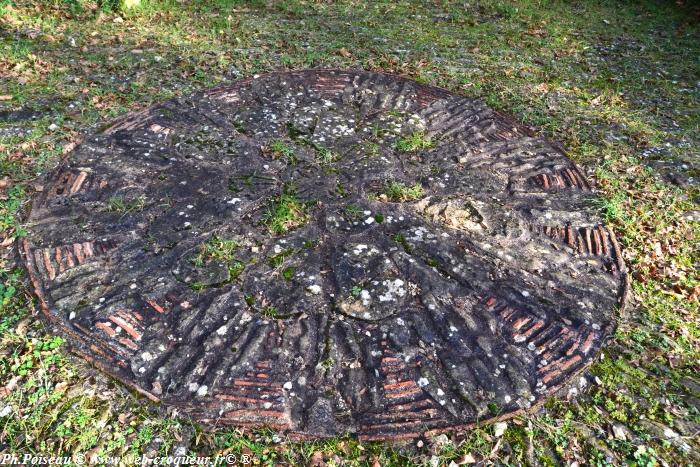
(68,147)
(61,386)
(541,88)
(9,387)
(499,428)
(466,459)
(537,32)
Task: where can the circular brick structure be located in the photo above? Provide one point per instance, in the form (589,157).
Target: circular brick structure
(327,252)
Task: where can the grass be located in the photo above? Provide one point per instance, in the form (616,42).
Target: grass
(614,82)
(120,205)
(219,250)
(400,192)
(277,260)
(414,142)
(9,207)
(269,312)
(288,273)
(326,156)
(285,213)
(401,240)
(352,212)
(116,204)
(279,148)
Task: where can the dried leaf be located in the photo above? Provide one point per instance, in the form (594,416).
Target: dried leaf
(68,147)
(317,460)
(60,387)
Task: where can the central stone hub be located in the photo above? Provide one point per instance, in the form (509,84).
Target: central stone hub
(327,252)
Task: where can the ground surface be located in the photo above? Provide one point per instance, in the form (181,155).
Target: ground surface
(617,84)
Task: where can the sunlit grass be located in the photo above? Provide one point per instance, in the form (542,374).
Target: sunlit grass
(285,213)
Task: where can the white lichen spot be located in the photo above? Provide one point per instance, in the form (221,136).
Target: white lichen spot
(423,382)
(222,330)
(314,289)
(359,248)
(365,297)
(393,288)
(287,385)
(202,391)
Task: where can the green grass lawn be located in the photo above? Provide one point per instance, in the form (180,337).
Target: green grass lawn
(617,83)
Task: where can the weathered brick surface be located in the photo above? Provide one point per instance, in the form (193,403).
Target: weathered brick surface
(376,317)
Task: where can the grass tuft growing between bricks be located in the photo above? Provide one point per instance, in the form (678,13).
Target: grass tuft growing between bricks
(285,213)
(414,142)
(400,192)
